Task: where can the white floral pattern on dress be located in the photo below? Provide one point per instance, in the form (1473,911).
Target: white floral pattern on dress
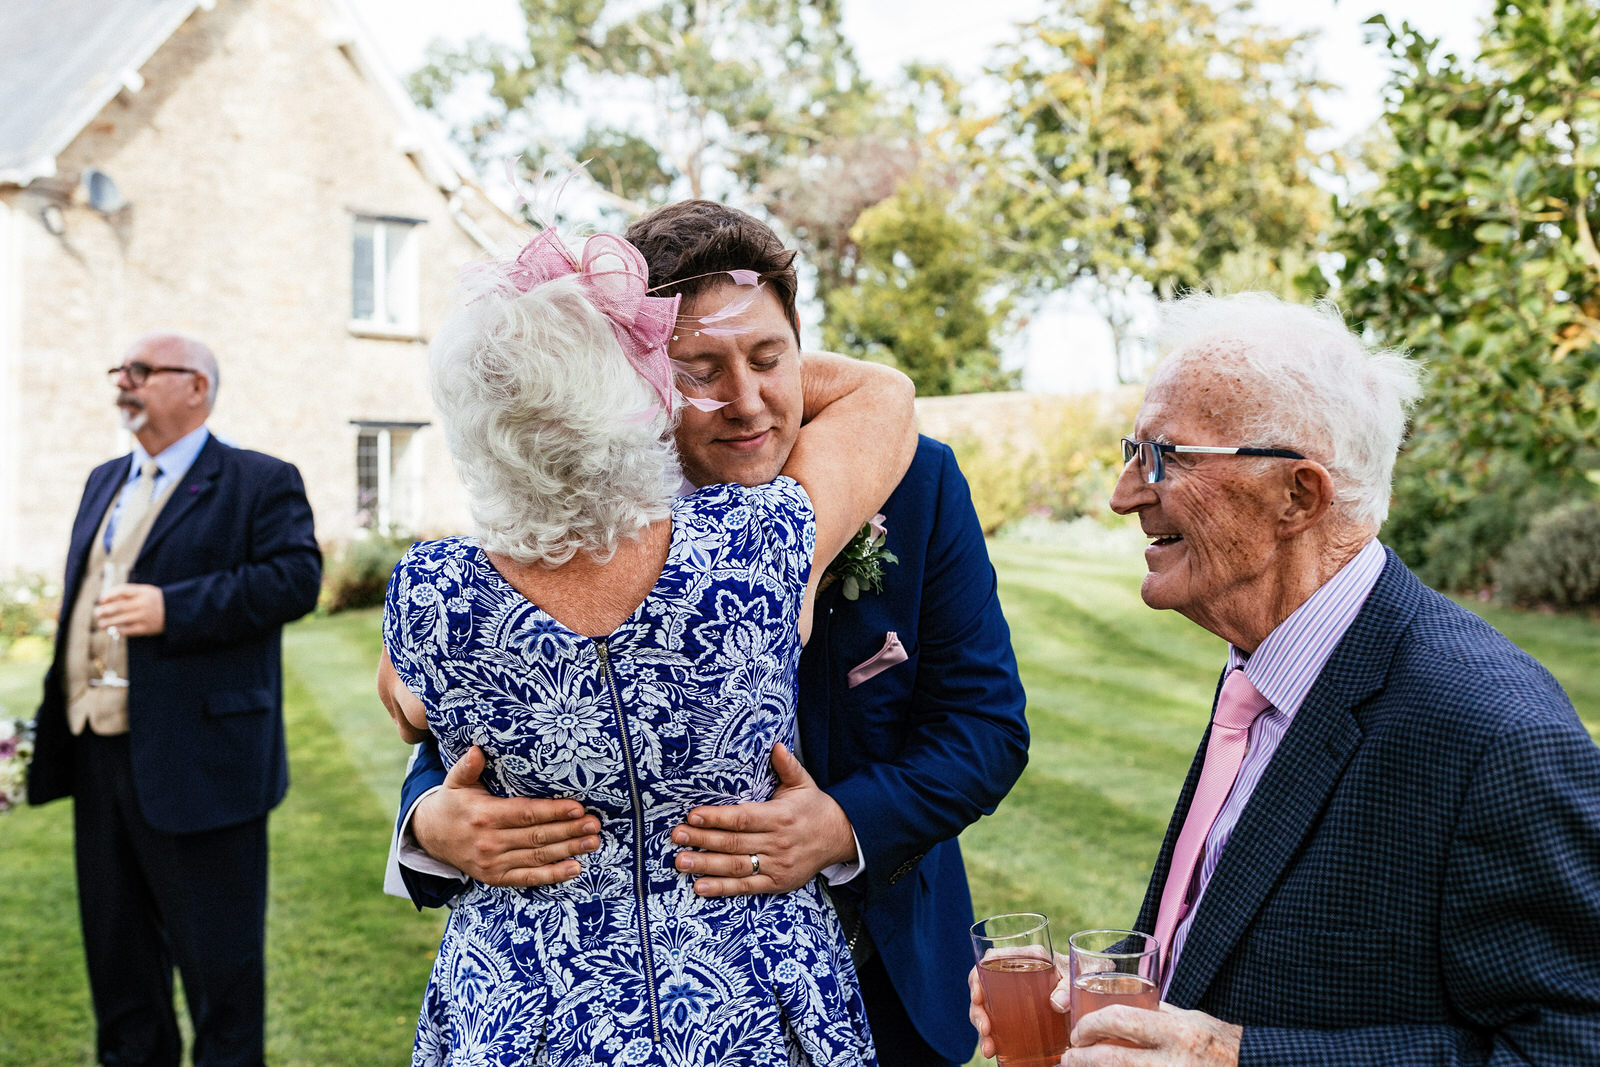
(703,675)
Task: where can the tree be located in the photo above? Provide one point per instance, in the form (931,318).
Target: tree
(690,98)
(1149,146)
(924,297)
(1476,248)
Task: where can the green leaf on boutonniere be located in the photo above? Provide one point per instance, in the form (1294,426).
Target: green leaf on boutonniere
(859,565)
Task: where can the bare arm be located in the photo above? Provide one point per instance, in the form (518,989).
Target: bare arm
(859,437)
(409,716)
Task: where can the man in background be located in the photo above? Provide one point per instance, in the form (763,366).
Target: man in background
(162,712)
(911,712)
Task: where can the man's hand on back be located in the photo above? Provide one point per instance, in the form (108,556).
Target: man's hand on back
(506,841)
(797,834)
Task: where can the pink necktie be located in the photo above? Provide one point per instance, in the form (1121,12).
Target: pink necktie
(1237,707)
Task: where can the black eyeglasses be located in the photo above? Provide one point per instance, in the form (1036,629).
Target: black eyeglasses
(139,372)
(1149,454)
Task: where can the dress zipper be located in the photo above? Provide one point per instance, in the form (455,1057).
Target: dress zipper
(640,890)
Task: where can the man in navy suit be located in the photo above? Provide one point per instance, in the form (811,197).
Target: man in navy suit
(1399,862)
(162,712)
(911,711)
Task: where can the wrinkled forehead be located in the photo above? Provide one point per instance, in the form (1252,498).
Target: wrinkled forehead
(1208,389)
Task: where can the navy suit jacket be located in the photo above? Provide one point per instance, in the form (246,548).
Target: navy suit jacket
(1416,878)
(235,556)
(914,754)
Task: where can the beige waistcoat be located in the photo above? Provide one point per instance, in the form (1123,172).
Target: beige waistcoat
(103,708)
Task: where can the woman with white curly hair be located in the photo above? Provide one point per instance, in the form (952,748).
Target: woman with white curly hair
(607,640)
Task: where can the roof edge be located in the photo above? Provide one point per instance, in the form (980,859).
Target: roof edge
(44,166)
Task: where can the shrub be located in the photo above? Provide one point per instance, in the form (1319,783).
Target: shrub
(1450,529)
(1060,463)
(1558,562)
(359,573)
(28,609)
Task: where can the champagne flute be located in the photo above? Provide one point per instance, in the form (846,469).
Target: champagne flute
(1113,967)
(1017,970)
(116,655)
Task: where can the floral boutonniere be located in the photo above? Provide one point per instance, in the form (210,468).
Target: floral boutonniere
(16,749)
(859,565)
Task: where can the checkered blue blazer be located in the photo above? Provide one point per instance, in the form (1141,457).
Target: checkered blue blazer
(1416,879)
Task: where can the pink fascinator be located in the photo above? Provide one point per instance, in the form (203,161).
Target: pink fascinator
(615,278)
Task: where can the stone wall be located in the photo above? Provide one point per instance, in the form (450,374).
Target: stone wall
(244,159)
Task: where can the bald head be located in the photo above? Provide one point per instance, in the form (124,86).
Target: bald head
(177,391)
(176,350)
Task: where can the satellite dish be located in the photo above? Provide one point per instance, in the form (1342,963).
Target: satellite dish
(102,192)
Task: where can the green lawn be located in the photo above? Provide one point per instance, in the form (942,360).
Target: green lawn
(1118,696)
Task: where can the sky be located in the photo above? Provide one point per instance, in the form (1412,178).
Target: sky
(961,33)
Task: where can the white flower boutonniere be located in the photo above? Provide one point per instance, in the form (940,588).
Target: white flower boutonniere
(16,749)
(859,565)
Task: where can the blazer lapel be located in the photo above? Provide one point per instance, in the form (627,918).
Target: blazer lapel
(196,484)
(97,496)
(1288,801)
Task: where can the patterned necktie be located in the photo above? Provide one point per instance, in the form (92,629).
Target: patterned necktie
(137,502)
(1238,706)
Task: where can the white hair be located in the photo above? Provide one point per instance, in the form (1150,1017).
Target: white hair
(1307,383)
(563,447)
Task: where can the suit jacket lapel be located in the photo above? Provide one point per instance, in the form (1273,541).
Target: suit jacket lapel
(97,496)
(1288,801)
(196,484)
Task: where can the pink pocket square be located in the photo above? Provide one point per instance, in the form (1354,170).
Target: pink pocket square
(891,653)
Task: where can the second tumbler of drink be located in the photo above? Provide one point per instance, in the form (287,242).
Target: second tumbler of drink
(1016,967)
(1114,967)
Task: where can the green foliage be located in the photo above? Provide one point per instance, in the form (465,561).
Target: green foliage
(1450,529)
(1558,562)
(923,298)
(28,609)
(1060,464)
(715,95)
(1475,248)
(358,574)
(1153,146)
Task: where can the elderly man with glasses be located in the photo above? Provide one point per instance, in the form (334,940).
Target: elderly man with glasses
(162,716)
(1387,850)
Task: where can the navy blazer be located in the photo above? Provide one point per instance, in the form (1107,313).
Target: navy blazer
(1416,878)
(236,557)
(913,754)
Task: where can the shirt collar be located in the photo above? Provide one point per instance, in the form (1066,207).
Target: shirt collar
(174,460)
(1286,665)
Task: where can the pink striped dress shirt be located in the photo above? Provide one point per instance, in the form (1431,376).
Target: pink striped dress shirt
(1283,670)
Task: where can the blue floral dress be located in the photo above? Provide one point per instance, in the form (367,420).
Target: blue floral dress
(679,707)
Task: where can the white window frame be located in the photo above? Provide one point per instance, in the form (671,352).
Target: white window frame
(394,283)
(399,485)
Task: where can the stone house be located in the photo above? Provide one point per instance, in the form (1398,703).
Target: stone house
(248,172)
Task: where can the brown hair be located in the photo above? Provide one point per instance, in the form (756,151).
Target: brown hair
(688,244)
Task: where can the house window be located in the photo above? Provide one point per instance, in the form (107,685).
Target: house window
(383,276)
(388,477)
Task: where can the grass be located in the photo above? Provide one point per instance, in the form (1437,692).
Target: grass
(1118,696)
(346,965)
